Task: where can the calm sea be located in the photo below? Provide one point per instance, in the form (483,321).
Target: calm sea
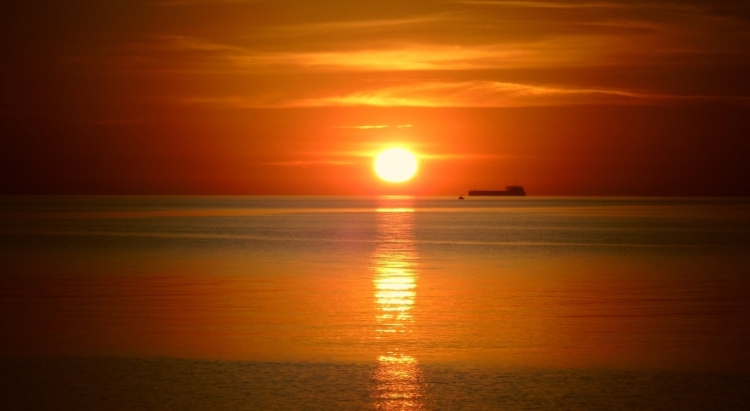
(387,303)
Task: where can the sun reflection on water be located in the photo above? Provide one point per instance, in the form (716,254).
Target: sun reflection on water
(398,376)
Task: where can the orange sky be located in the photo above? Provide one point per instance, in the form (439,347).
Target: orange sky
(295,97)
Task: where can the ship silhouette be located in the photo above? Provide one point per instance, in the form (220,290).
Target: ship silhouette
(515,191)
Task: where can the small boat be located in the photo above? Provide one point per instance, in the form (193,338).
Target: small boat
(460,197)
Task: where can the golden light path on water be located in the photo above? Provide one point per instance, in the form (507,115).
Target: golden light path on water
(398,376)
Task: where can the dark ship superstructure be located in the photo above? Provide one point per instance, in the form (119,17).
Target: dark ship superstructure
(516,191)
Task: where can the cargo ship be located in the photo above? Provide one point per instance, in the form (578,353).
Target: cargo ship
(509,191)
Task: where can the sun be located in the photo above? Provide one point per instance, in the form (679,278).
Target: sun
(395,165)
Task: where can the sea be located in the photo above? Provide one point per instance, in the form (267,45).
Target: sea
(374,303)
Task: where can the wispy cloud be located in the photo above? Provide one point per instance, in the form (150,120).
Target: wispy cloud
(374,126)
(465,156)
(459,36)
(611,5)
(544,4)
(405,58)
(348,26)
(477,94)
(366,127)
(226,102)
(475,63)
(459,94)
(121,121)
(177,43)
(175,3)
(307,163)
(571,50)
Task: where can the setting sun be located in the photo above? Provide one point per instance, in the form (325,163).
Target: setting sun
(395,165)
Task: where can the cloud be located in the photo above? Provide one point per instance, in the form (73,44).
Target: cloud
(177,43)
(227,102)
(365,127)
(404,58)
(348,26)
(121,121)
(477,94)
(650,45)
(307,163)
(458,94)
(544,4)
(177,3)
(374,126)
(480,57)
(466,156)
(460,36)
(612,5)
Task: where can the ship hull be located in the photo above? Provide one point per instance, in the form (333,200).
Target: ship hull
(492,193)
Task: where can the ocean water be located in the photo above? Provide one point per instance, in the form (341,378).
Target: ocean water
(385,303)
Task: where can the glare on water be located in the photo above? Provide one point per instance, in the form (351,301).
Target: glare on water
(398,377)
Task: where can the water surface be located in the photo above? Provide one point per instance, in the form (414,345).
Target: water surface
(381,303)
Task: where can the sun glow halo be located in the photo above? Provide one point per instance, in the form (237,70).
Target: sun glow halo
(395,165)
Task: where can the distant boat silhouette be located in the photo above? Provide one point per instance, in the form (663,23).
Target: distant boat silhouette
(516,191)
(460,197)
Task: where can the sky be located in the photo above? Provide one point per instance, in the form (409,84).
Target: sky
(601,97)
